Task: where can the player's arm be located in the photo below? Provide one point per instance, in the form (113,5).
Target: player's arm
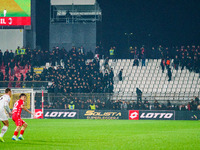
(24,108)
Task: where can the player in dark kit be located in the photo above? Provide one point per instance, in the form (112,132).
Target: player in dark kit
(17,109)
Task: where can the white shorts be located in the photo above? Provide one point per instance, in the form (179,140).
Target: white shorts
(3,116)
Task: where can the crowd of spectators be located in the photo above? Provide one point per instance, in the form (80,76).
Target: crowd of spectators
(184,56)
(188,56)
(77,75)
(193,105)
(36,58)
(81,76)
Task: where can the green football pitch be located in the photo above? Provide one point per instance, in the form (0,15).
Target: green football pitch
(59,134)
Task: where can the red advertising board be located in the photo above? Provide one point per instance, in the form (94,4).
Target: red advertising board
(15,21)
(133,114)
(38,114)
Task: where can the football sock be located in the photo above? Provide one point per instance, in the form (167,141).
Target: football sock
(15,133)
(3,131)
(21,133)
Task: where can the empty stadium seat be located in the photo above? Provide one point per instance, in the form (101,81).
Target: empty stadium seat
(150,79)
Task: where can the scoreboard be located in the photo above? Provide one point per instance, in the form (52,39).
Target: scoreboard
(15,12)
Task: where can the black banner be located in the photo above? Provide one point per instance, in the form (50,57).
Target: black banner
(103,114)
(187,115)
(61,114)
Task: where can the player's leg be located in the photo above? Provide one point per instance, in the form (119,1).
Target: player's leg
(16,133)
(24,126)
(18,122)
(4,119)
(4,128)
(1,139)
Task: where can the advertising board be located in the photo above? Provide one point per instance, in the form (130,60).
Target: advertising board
(60,114)
(151,115)
(103,114)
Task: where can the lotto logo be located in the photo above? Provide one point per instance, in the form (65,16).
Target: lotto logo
(38,114)
(133,114)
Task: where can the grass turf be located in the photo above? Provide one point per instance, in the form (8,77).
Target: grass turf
(59,134)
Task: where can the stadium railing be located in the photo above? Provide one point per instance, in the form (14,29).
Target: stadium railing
(162,98)
(24,84)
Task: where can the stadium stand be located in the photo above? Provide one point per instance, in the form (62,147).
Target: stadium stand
(74,72)
(150,79)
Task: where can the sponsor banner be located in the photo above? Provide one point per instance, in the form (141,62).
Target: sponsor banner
(15,21)
(133,114)
(38,70)
(61,114)
(151,115)
(118,114)
(103,114)
(38,114)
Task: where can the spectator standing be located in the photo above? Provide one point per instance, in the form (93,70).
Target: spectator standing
(162,64)
(139,95)
(92,106)
(120,75)
(6,70)
(82,50)
(169,73)
(123,106)
(111,76)
(6,58)
(112,53)
(136,53)
(12,66)
(143,57)
(68,17)
(176,62)
(135,62)
(11,55)
(196,99)
(167,63)
(106,66)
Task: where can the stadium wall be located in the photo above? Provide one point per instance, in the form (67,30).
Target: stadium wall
(8,39)
(120,114)
(68,35)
